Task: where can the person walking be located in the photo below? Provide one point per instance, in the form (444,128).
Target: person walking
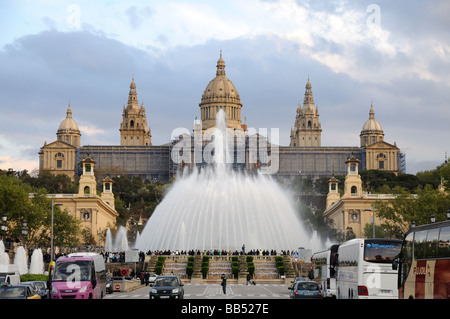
(224,283)
(248,280)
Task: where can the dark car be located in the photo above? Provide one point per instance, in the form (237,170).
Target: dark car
(18,292)
(167,287)
(40,287)
(306,290)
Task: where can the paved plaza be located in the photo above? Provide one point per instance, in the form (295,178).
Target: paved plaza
(214,291)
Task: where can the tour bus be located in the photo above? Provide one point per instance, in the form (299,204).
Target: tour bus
(323,270)
(79,276)
(365,269)
(424,262)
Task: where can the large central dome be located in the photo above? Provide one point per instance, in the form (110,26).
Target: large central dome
(220,93)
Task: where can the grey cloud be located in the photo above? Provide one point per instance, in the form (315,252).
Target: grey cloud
(42,72)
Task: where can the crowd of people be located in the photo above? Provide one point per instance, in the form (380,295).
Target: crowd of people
(216,252)
(119,257)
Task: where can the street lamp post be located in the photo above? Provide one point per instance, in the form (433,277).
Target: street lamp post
(24,231)
(51,235)
(4,226)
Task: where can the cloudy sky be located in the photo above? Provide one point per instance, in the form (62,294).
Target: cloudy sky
(394,54)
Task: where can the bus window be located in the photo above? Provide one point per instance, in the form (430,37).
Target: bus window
(431,243)
(381,251)
(420,238)
(407,255)
(444,243)
(78,270)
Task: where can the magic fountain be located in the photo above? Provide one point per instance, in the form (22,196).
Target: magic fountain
(219,208)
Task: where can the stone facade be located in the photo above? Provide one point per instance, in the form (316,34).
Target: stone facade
(134,130)
(305,156)
(354,209)
(96,213)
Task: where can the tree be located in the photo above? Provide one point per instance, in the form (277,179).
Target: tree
(406,207)
(21,201)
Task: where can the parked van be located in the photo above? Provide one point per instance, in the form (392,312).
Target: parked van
(79,276)
(9,275)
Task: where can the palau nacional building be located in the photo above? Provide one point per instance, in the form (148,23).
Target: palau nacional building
(137,156)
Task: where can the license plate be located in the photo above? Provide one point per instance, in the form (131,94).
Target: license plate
(385,291)
(164,297)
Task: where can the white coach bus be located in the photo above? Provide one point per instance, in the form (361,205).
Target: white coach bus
(323,270)
(365,269)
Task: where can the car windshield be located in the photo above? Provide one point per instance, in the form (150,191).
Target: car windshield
(40,285)
(307,286)
(165,282)
(12,292)
(73,270)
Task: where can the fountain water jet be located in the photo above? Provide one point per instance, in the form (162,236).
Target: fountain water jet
(37,262)
(121,241)
(4,258)
(20,260)
(108,241)
(218,208)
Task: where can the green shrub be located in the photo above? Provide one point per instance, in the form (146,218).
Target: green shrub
(189,271)
(278,258)
(235,271)
(33,277)
(281,270)
(205,271)
(158,270)
(251,268)
(249,259)
(234,258)
(205,259)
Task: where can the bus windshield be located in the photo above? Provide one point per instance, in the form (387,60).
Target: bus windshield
(73,270)
(381,251)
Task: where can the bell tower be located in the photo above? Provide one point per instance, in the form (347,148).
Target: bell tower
(87,184)
(107,194)
(353,182)
(307,130)
(333,191)
(133,129)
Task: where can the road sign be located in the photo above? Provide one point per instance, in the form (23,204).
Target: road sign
(304,255)
(132,256)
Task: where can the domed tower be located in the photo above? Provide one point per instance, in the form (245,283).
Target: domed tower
(219,94)
(60,156)
(371,132)
(68,130)
(133,129)
(307,130)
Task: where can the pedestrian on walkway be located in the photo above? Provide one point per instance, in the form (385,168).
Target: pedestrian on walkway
(224,283)
(248,280)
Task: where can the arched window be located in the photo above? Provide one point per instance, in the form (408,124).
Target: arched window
(131,123)
(354,190)
(87,190)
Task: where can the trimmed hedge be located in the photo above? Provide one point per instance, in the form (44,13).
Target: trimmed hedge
(33,277)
